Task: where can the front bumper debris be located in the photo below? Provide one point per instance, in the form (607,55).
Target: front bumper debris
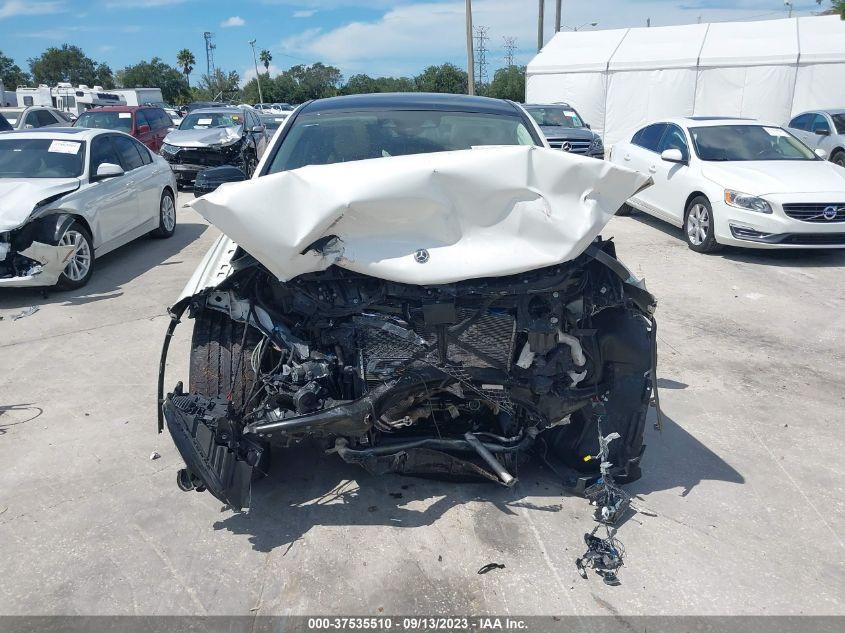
(39,264)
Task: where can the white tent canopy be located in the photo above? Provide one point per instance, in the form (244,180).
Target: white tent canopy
(620,79)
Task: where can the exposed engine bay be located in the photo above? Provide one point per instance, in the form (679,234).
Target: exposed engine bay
(461,380)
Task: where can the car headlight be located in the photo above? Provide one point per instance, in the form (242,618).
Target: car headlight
(747,202)
(596,144)
(168,149)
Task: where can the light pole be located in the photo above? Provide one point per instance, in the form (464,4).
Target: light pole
(257,76)
(470,56)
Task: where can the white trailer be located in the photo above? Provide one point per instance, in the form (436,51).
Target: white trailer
(7,97)
(65,97)
(140,96)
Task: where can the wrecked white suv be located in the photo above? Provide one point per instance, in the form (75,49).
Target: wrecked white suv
(420,303)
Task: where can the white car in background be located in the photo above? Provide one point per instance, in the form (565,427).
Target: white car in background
(822,129)
(68,195)
(737,182)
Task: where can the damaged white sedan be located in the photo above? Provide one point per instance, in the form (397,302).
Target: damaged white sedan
(69,195)
(419,304)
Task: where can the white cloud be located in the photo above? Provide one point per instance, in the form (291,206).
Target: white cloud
(11,8)
(304,13)
(408,37)
(235,20)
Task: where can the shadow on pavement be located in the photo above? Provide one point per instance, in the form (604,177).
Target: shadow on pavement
(792,258)
(307,488)
(676,459)
(111,271)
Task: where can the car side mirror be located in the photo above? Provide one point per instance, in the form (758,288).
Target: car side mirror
(672,156)
(108,170)
(822,131)
(210,179)
(821,153)
(143,129)
(258,128)
(587,125)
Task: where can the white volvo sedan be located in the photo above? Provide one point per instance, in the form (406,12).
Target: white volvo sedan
(737,182)
(69,195)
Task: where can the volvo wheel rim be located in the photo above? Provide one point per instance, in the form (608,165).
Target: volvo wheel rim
(698,224)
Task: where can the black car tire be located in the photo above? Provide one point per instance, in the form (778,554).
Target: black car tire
(217,355)
(166,204)
(250,163)
(65,282)
(700,206)
(838,158)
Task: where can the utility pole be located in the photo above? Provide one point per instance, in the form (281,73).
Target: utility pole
(510,48)
(481,53)
(470,61)
(208,36)
(257,76)
(557,15)
(540,25)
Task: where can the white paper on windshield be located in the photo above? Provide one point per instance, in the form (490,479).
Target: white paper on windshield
(482,212)
(279,119)
(203,121)
(124,115)
(570,113)
(64,147)
(776,131)
(12,121)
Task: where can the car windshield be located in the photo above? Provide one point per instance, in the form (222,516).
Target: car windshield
(555,116)
(333,137)
(40,158)
(11,115)
(839,122)
(748,142)
(205,120)
(272,122)
(121,121)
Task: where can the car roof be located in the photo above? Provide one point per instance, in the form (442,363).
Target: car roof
(121,108)
(825,110)
(230,109)
(58,133)
(528,106)
(707,121)
(412,101)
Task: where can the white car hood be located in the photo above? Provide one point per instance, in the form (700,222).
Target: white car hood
(203,137)
(759,178)
(19,196)
(425,218)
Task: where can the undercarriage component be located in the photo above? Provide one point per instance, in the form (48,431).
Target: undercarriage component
(604,555)
(217,456)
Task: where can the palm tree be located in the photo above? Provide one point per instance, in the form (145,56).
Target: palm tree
(265,58)
(186,60)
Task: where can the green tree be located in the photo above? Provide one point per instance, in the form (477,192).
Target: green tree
(444,78)
(265,58)
(185,60)
(69,63)
(508,83)
(11,75)
(316,81)
(362,84)
(156,74)
(218,86)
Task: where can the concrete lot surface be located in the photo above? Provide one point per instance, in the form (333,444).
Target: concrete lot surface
(743,490)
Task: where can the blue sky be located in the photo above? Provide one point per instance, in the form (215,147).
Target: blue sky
(375,36)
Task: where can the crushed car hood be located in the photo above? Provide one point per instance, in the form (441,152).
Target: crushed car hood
(763,177)
(424,218)
(203,138)
(19,196)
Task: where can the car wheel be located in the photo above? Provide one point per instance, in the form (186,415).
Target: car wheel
(80,266)
(838,158)
(699,229)
(250,163)
(624,210)
(166,216)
